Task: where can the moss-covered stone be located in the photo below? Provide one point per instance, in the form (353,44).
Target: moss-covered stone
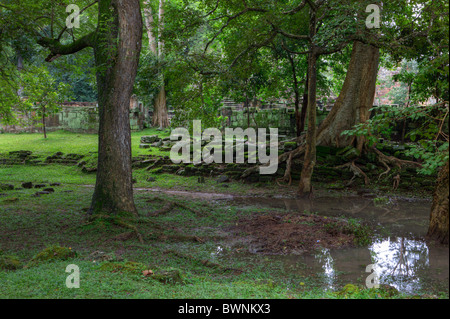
(53,253)
(388,291)
(125,267)
(349,290)
(9,262)
(290,146)
(158,170)
(171,276)
(349,153)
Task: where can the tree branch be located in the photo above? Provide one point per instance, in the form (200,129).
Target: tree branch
(81,11)
(253,46)
(290,35)
(237,15)
(57,49)
(296,9)
(283,45)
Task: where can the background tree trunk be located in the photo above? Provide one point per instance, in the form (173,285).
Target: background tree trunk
(160,112)
(305,187)
(148,16)
(438,229)
(304,106)
(43,122)
(355,100)
(117,49)
(299,129)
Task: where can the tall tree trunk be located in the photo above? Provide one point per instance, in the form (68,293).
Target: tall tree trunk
(297,95)
(355,100)
(161,28)
(405,122)
(43,122)
(304,106)
(117,46)
(148,17)
(117,49)
(305,187)
(160,113)
(20,68)
(439,218)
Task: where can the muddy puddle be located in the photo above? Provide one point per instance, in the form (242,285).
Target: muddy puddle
(400,255)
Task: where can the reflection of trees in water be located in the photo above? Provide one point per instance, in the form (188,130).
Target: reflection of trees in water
(402,260)
(323,257)
(399,262)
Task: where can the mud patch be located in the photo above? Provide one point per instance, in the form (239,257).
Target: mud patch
(274,234)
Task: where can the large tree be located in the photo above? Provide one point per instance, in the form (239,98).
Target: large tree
(116,43)
(355,100)
(439,217)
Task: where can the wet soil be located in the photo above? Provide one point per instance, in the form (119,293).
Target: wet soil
(292,234)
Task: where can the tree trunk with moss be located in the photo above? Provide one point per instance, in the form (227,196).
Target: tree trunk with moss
(439,218)
(355,100)
(117,46)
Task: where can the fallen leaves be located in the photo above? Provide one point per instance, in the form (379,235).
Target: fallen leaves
(147,273)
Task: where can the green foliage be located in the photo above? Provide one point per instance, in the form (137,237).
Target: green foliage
(9,97)
(430,137)
(44,96)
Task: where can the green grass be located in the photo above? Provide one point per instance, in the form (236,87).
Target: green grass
(45,174)
(67,142)
(25,230)
(30,224)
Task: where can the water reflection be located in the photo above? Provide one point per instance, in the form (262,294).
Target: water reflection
(399,262)
(402,260)
(402,217)
(326,260)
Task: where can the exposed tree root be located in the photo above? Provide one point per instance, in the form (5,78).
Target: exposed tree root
(123,237)
(167,208)
(287,175)
(119,221)
(396,182)
(159,160)
(122,223)
(393,161)
(357,172)
(204,262)
(288,156)
(170,205)
(182,238)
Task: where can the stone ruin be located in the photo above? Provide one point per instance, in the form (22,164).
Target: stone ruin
(78,117)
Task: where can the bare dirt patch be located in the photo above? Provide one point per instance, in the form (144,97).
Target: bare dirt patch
(293,233)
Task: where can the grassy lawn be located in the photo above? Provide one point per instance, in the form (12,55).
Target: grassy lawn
(67,142)
(29,225)
(178,241)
